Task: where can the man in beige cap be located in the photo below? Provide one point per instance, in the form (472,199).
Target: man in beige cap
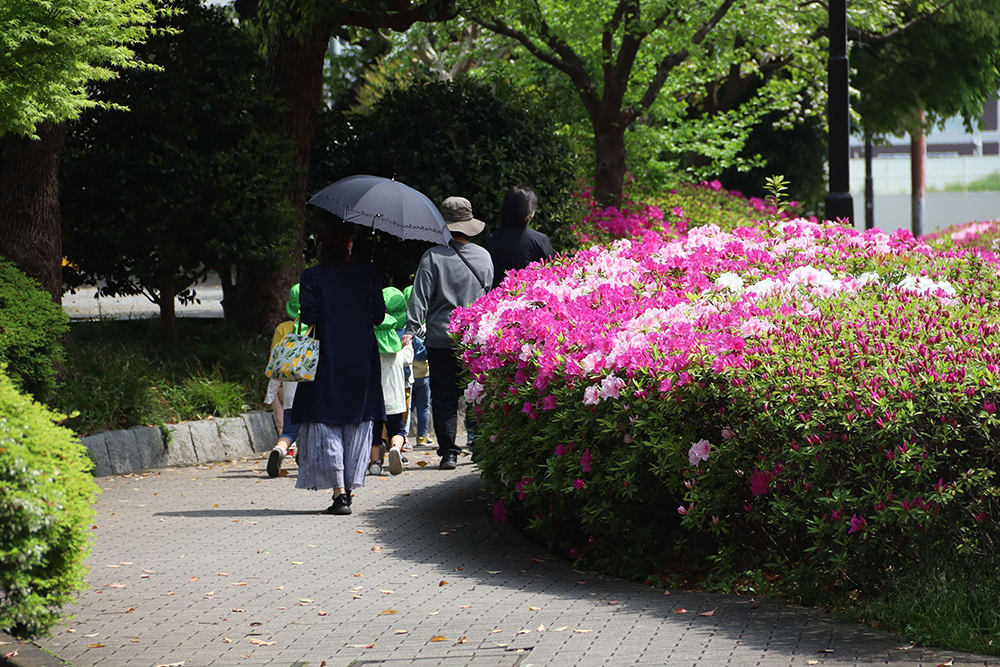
(447,277)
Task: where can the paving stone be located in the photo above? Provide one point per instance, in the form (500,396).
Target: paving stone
(180,448)
(260,426)
(98,448)
(123,451)
(235,437)
(152,450)
(207,442)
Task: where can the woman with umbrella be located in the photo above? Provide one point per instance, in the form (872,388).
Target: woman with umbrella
(343,299)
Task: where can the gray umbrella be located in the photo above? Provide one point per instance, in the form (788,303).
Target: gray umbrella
(386,205)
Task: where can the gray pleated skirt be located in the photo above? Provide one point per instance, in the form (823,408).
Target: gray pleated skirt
(332,457)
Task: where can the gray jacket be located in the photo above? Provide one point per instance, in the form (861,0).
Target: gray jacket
(442,283)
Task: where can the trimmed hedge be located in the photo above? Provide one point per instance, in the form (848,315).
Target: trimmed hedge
(46,492)
(31,328)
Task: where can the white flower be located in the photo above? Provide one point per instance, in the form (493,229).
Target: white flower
(591,395)
(474,392)
(730,281)
(699,452)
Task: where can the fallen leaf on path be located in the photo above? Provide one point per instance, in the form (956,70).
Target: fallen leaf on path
(359,575)
(707,613)
(124,563)
(462,640)
(947,664)
(173,664)
(95,645)
(295,562)
(442,583)
(388,611)
(439,638)
(209,594)
(240,583)
(116,585)
(377,549)
(193,579)
(128,610)
(523,632)
(239,610)
(812,662)
(12,654)
(357,597)
(580,631)
(222,574)
(680,610)
(466,606)
(401,632)
(372,645)
(306,600)
(825,650)
(612,601)
(227,640)
(493,632)
(386,592)
(112,566)
(260,642)
(433,613)
(540,628)
(323,613)
(94,634)
(534,608)
(561,629)
(421,463)
(494,571)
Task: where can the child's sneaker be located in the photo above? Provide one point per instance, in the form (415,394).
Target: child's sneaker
(395,461)
(407,447)
(274,462)
(424,441)
(374,468)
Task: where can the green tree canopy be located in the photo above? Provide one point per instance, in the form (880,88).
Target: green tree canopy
(51,50)
(193,178)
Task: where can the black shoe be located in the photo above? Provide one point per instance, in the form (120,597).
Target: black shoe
(449,461)
(274,463)
(341,505)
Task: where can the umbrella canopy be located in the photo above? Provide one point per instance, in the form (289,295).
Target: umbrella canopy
(386,205)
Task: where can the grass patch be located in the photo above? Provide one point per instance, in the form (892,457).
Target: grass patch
(946,600)
(990,183)
(121,373)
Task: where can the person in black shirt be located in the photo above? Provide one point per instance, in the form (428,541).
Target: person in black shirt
(515,245)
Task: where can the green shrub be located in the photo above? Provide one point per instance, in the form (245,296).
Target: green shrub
(46,492)
(122,373)
(31,329)
(462,138)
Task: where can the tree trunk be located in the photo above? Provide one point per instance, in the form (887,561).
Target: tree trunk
(168,314)
(30,221)
(609,150)
(295,72)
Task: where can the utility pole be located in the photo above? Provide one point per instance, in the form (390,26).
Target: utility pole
(869,184)
(839,204)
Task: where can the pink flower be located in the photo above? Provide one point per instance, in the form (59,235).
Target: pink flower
(727,434)
(549,402)
(760,483)
(591,395)
(682,510)
(858,523)
(586,461)
(579,484)
(699,452)
(528,408)
(560,450)
(500,512)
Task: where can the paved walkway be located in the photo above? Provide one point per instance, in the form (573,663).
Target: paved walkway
(221,565)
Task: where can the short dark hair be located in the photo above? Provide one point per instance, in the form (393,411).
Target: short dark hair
(519,204)
(333,235)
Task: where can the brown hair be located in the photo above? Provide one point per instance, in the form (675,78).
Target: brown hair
(333,235)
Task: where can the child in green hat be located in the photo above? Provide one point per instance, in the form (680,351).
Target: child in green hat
(281,395)
(394,357)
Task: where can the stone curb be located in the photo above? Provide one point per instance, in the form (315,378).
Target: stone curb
(184,444)
(25,653)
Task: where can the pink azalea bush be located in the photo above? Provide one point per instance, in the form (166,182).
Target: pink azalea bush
(796,395)
(671,215)
(983,237)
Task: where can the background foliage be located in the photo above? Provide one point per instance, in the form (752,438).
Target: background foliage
(466,138)
(31,333)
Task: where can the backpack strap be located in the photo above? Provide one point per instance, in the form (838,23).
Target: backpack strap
(457,247)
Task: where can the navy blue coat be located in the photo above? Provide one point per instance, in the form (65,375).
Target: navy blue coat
(344,302)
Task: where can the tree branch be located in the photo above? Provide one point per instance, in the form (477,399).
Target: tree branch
(674,59)
(565,61)
(898,30)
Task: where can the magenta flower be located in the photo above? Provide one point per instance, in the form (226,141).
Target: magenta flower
(699,452)
(579,484)
(586,461)
(500,512)
(858,523)
(549,402)
(760,483)
(560,450)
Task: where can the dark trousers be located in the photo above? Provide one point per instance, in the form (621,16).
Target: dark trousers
(445,390)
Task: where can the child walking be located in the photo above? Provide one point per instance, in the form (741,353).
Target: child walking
(281,395)
(394,357)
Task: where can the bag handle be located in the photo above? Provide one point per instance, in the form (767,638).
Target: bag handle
(297,327)
(457,248)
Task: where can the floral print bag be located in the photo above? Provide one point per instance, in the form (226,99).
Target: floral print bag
(295,358)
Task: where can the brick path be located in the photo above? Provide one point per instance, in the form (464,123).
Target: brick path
(221,565)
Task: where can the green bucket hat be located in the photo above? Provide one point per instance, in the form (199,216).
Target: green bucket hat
(292,307)
(395,305)
(388,339)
